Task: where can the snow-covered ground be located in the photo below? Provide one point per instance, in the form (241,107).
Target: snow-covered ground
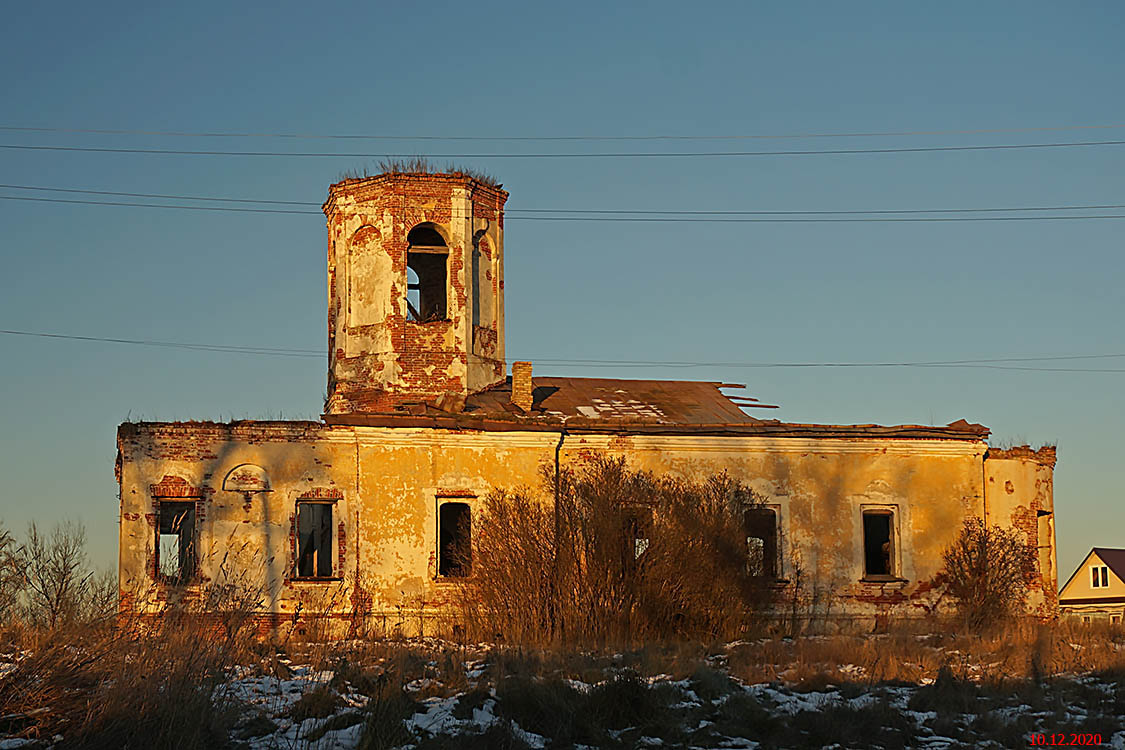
(482,701)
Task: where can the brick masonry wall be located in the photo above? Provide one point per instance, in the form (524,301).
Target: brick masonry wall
(422,362)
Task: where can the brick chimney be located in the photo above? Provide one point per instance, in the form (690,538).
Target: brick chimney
(521,385)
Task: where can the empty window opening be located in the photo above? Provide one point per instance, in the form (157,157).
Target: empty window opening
(426,259)
(1099,576)
(878,544)
(455,540)
(760,525)
(637,528)
(175,543)
(314,540)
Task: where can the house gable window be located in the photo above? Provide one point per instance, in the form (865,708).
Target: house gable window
(1099,576)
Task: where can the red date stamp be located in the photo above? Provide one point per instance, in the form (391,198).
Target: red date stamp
(1066,739)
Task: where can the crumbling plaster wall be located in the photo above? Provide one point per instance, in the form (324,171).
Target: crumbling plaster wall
(1019,493)
(821,487)
(377,357)
(389,482)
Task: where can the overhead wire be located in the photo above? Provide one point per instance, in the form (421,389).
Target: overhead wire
(653,137)
(567,155)
(652,219)
(1003,363)
(598,211)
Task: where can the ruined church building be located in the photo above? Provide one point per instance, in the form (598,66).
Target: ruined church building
(372,507)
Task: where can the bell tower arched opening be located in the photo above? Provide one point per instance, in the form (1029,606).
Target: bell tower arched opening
(427,260)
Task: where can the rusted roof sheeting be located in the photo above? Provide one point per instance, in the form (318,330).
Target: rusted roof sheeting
(638,407)
(648,401)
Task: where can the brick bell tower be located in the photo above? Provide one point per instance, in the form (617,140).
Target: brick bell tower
(415,291)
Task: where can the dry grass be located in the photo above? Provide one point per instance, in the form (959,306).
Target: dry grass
(127,684)
(419,165)
(1025,650)
(161,684)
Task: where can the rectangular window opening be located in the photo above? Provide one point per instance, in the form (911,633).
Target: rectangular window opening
(637,525)
(1099,576)
(455,540)
(760,525)
(175,542)
(314,540)
(878,543)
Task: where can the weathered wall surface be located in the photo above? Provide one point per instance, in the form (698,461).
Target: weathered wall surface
(377,357)
(1019,493)
(386,486)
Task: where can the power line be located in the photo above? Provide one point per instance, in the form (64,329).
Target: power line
(657,219)
(157,195)
(383,137)
(876,220)
(988,363)
(563,155)
(270,351)
(156,205)
(599,211)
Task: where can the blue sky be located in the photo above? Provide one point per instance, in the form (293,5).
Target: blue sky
(710,292)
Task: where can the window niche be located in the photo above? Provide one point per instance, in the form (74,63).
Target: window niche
(427,261)
(315,539)
(175,542)
(760,525)
(455,540)
(879,553)
(637,526)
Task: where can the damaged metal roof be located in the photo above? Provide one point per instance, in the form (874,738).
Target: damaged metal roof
(604,405)
(648,401)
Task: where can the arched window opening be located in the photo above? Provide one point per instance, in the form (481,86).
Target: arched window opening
(427,257)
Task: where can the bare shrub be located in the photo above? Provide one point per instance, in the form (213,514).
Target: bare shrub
(623,556)
(55,573)
(98,599)
(986,570)
(11,576)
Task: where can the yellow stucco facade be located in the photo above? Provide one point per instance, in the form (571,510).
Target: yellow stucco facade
(385,487)
(346,515)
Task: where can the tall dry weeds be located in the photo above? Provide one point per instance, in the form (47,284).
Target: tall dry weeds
(151,676)
(624,556)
